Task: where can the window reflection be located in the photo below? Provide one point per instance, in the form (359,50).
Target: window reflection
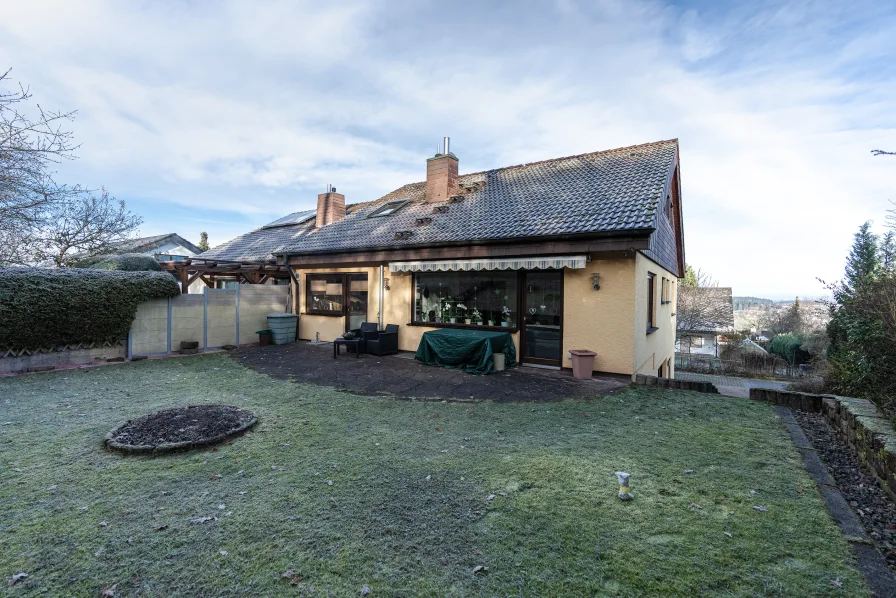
(483,298)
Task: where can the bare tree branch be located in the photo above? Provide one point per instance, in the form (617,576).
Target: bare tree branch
(41,219)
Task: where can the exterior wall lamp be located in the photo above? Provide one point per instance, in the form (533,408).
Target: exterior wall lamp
(386,283)
(595,281)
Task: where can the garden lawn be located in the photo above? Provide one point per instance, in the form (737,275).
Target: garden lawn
(404,497)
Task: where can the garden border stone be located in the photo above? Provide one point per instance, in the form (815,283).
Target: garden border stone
(645,380)
(868,432)
(168,447)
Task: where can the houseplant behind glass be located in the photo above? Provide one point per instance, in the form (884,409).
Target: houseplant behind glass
(477,317)
(463,312)
(505,316)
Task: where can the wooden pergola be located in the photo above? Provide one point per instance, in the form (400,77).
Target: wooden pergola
(208,270)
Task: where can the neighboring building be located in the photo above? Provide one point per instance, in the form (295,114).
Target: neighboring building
(715,319)
(170,247)
(580,252)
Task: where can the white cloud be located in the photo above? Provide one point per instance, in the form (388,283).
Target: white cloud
(254,107)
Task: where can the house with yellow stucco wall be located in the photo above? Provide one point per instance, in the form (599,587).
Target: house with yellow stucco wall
(581,252)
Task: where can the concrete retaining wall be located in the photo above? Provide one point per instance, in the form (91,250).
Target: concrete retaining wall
(54,359)
(645,380)
(868,431)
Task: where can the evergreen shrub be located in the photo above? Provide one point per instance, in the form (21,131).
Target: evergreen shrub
(49,308)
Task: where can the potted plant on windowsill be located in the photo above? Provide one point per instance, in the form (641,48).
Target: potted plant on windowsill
(463,311)
(505,317)
(476,317)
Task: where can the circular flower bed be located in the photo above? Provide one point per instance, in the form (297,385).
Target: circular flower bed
(180,429)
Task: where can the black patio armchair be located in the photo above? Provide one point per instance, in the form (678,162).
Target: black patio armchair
(366,328)
(382,343)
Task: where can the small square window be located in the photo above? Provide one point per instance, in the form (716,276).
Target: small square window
(388,208)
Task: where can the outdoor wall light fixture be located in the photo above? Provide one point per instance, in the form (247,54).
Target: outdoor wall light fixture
(386,283)
(595,281)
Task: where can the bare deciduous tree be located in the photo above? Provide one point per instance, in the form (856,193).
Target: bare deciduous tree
(40,218)
(85,224)
(702,306)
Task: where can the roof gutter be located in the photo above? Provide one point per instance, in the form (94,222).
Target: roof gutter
(630,232)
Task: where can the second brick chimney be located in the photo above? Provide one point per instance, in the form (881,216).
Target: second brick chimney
(330,207)
(441,175)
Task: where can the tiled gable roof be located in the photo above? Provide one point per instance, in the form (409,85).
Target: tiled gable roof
(601,192)
(143,244)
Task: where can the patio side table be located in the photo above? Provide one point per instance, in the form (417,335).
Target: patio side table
(348,342)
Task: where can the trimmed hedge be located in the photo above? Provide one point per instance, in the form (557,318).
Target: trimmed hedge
(127,262)
(48,308)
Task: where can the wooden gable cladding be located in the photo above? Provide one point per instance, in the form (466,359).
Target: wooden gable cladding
(667,241)
(614,244)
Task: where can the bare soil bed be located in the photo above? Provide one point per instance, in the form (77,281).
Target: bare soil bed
(869,501)
(180,428)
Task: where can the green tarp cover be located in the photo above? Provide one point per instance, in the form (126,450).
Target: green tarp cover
(469,350)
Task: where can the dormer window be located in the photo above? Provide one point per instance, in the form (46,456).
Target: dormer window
(388,208)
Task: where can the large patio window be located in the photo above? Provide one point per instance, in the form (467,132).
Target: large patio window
(485,298)
(325,294)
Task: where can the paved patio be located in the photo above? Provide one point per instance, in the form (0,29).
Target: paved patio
(733,386)
(402,376)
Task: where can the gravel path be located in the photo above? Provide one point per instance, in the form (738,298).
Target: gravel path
(869,501)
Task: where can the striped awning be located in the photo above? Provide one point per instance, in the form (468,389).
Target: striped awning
(521,263)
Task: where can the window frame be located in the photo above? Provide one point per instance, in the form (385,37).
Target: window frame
(651,303)
(346,290)
(517,305)
(666,292)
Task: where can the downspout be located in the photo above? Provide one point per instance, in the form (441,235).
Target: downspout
(289,299)
(379,317)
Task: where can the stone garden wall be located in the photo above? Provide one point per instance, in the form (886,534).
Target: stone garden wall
(645,380)
(869,432)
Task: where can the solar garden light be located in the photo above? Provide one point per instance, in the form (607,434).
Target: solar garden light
(624,493)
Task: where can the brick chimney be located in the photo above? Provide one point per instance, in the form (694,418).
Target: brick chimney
(441,175)
(330,207)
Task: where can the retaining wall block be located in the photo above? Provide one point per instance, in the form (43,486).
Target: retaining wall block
(879,460)
(650,381)
(677,384)
(662,382)
(829,408)
(811,403)
(851,436)
(757,394)
(640,379)
(890,457)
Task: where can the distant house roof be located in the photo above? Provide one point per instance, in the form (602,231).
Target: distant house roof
(751,346)
(147,244)
(610,192)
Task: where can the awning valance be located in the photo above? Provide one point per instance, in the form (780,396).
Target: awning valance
(520,263)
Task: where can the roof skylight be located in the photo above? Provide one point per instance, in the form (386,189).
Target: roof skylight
(388,208)
(292,219)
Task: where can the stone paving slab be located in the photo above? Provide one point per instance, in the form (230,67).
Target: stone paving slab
(398,376)
(733,386)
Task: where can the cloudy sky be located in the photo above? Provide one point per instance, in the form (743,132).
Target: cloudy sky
(221,116)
